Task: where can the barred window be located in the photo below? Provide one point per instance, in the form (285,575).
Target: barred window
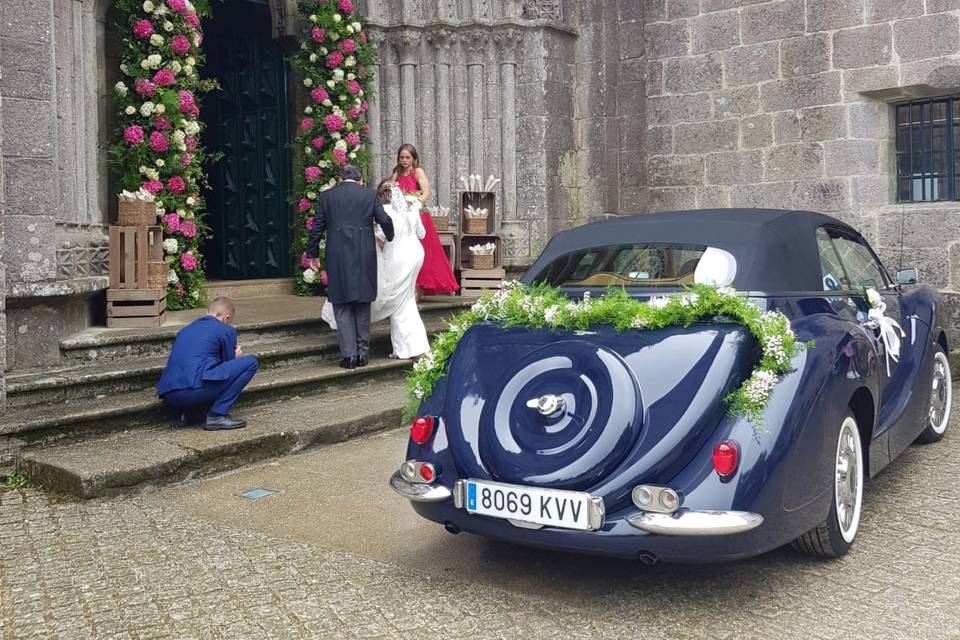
(928,139)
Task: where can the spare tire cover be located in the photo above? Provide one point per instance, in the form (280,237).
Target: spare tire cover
(563,416)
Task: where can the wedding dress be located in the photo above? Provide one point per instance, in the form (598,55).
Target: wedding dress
(398,263)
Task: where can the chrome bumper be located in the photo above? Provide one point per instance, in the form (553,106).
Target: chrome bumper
(696,523)
(418,492)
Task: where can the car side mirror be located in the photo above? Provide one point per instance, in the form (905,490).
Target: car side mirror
(907,276)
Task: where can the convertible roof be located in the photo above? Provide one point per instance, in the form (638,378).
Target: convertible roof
(775,249)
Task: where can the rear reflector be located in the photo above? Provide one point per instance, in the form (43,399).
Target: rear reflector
(421,429)
(726,457)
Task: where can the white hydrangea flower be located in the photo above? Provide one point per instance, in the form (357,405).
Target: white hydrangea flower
(175,67)
(191,201)
(148,6)
(191,128)
(313,17)
(341,144)
(189,71)
(121,89)
(331,84)
(308,82)
(338,74)
(143,168)
(309,276)
(159,109)
(313,57)
(356,26)
(190,61)
(327,102)
(172,276)
(146,109)
(156,40)
(161,10)
(179,135)
(130,110)
(153,174)
(170,245)
(350,61)
(337,17)
(160,162)
(167,25)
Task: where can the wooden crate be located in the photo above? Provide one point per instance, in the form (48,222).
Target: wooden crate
(474,282)
(134,308)
(131,249)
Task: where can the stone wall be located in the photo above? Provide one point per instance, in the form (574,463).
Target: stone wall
(3,284)
(787,103)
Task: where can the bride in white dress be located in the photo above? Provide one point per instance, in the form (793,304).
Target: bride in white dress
(398,263)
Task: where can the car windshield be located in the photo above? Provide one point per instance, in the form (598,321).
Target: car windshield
(654,266)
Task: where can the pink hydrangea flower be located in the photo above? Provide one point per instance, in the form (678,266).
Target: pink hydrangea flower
(188,104)
(172,220)
(365,128)
(353,138)
(143,29)
(318,35)
(192,20)
(188,262)
(348,45)
(319,95)
(304,261)
(177,5)
(323,278)
(153,186)
(304,204)
(340,156)
(176,184)
(317,143)
(133,134)
(187,159)
(306,124)
(309,223)
(333,122)
(312,174)
(188,228)
(180,45)
(363,38)
(354,113)
(158,142)
(354,87)
(190,142)
(345,5)
(145,88)
(334,60)
(163,124)
(364,106)
(164,78)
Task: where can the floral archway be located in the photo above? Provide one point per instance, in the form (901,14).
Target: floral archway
(158,145)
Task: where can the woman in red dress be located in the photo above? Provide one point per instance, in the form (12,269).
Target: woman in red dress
(436,277)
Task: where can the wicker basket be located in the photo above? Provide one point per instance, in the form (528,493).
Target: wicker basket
(481,261)
(136,213)
(157,275)
(441,223)
(475,225)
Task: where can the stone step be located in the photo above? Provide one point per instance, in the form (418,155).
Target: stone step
(70,384)
(246,289)
(105,346)
(133,460)
(88,417)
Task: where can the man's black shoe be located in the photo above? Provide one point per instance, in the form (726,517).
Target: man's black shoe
(348,363)
(188,419)
(222,422)
(362,361)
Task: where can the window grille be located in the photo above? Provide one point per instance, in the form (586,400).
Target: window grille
(927,141)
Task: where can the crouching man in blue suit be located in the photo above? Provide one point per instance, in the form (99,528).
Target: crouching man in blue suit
(206,371)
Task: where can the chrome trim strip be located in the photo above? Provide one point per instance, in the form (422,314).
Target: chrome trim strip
(696,523)
(459,494)
(418,492)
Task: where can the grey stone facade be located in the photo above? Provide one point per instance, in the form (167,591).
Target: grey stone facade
(787,103)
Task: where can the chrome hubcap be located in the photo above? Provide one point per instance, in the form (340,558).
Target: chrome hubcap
(940,393)
(848,480)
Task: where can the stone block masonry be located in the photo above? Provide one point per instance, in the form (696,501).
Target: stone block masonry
(789,103)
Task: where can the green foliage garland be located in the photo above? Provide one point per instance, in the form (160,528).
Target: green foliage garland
(543,307)
(158,127)
(335,62)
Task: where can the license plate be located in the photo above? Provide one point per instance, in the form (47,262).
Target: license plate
(548,507)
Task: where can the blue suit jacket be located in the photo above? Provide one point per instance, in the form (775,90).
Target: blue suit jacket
(198,351)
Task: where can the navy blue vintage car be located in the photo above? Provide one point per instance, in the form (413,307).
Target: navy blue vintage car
(620,443)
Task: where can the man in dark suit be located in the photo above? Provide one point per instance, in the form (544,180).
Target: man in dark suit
(347,213)
(206,370)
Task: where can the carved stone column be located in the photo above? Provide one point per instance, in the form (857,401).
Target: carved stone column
(508,41)
(409,46)
(391,103)
(373,118)
(440,41)
(476,44)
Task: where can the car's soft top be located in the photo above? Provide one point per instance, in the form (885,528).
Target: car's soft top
(775,249)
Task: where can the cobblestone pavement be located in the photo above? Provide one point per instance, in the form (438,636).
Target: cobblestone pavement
(150,567)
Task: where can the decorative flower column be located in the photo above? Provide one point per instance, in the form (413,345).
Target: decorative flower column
(334,63)
(158,128)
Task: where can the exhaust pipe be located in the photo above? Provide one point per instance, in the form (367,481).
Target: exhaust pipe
(451,528)
(648,558)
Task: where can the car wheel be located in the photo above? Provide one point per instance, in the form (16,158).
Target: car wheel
(941,394)
(834,536)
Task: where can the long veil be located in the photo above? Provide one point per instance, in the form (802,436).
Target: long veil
(393,277)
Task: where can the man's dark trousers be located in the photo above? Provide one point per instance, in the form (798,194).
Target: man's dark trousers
(353,328)
(219,395)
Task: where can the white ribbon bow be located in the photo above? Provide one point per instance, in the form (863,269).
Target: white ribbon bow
(890,332)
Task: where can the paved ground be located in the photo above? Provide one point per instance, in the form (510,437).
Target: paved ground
(334,555)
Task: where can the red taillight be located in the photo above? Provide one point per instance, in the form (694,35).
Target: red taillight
(426,473)
(421,429)
(726,456)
